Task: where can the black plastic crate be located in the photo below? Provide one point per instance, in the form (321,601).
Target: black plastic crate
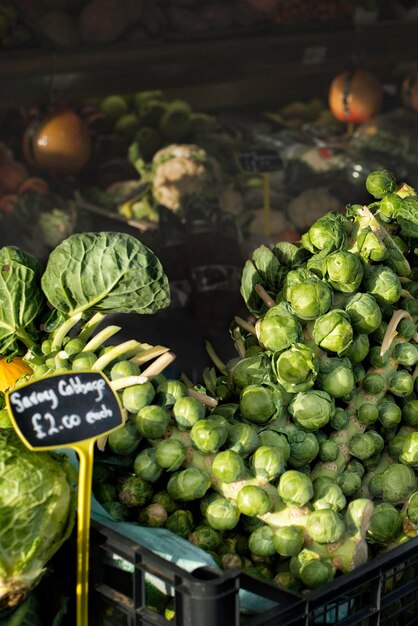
(383,592)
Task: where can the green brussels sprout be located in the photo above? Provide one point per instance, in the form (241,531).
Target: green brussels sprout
(153,515)
(288,540)
(125,439)
(406,354)
(333,331)
(295,488)
(390,205)
(410,413)
(253,500)
(187,411)
(222,514)
(367,413)
(358,349)
(380,182)
(81,361)
(208,435)
(260,403)
(117,510)
(401,383)
(328,450)
(274,439)
(205,537)
(296,368)
(409,454)
(260,542)
(180,523)
(379,442)
(390,413)
(169,391)
(106,492)
(134,398)
(252,370)
(381,282)
(122,369)
(407,328)
(349,483)
(369,246)
(339,420)
(373,383)
(376,359)
(304,447)
(311,569)
(268,462)
(398,483)
(231,561)
(336,377)
(328,496)
(412,508)
(385,524)
(364,313)
(355,466)
(279,328)
(170,454)
(188,484)
(308,296)
(243,438)
(134,491)
(325,526)
(326,234)
(312,409)
(163,498)
(343,270)
(146,466)
(376,485)
(362,446)
(152,421)
(228,466)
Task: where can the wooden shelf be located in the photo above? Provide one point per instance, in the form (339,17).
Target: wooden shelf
(32,76)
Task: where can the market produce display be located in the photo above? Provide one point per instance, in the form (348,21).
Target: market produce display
(298,461)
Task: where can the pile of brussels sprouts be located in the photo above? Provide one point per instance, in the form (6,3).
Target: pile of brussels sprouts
(296,460)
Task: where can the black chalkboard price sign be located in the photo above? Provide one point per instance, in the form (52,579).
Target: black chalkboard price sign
(63,409)
(260,161)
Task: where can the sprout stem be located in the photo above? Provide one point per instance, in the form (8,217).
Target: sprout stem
(64,329)
(127,381)
(99,339)
(124,349)
(215,358)
(391,332)
(90,326)
(239,342)
(159,364)
(245,325)
(202,397)
(415,374)
(268,300)
(405,294)
(147,353)
(186,380)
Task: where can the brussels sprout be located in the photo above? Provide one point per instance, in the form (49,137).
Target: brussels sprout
(343,270)
(336,377)
(358,349)
(412,508)
(333,331)
(146,466)
(406,354)
(389,205)
(153,515)
(308,296)
(312,409)
(376,359)
(124,440)
(278,329)
(260,542)
(304,447)
(242,438)
(381,282)
(409,454)
(81,361)
(152,421)
(296,368)
(208,435)
(362,446)
(188,484)
(117,510)
(339,420)
(410,413)
(274,439)
(252,370)
(406,328)
(134,398)
(169,391)
(180,523)
(325,526)
(401,383)
(134,491)
(205,537)
(380,182)
(253,500)
(349,483)
(163,498)
(187,410)
(231,561)
(311,569)
(122,369)
(288,540)
(355,466)
(222,514)
(373,383)
(106,492)
(260,403)
(295,488)
(170,454)
(268,462)
(385,524)
(390,413)
(327,233)
(328,496)
(367,413)
(379,442)
(328,450)
(398,483)
(369,245)
(228,466)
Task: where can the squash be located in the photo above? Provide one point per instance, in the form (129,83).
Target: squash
(11,369)
(355,96)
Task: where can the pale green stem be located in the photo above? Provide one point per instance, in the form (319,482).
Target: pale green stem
(150,352)
(98,340)
(61,332)
(212,402)
(90,326)
(215,358)
(159,365)
(123,350)
(127,381)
